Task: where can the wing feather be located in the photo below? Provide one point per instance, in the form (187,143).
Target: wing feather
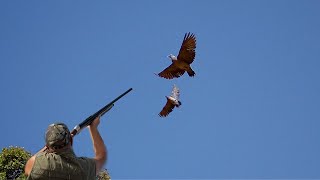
(168,108)
(171,72)
(187,51)
(175,92)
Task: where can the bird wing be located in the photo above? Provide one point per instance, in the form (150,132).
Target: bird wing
(166,109)
(171,72)
(187,51)
(175,92)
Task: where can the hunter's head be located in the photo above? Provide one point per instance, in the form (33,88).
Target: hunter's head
(58,136)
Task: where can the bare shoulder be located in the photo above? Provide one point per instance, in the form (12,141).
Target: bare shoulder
(29,165)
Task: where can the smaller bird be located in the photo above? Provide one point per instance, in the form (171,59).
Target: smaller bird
(181,63)
(172,101)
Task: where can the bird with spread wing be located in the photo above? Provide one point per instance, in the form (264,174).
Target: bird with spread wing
(181,63)
(172,101)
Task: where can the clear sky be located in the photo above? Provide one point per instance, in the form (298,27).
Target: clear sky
(251,111)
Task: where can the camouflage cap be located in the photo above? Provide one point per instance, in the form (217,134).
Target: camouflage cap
(57,136)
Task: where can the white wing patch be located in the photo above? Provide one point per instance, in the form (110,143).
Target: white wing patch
(175,93)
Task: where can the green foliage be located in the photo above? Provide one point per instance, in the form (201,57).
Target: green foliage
(12,162)
(2,175)
(104,175)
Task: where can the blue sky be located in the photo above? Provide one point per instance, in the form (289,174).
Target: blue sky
(251,111)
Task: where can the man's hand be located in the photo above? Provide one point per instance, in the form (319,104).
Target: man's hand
(95,122)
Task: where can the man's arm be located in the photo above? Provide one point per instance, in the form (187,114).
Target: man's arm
(30,162)
(99,147)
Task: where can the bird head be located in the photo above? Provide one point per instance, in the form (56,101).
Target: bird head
(174,101)
(172,57)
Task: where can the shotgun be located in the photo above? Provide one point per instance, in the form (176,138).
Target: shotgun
(100,113)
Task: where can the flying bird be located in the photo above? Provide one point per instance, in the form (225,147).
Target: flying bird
(172,101)
(181,63)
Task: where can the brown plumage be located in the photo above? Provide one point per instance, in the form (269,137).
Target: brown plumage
(172,101)
(181,63)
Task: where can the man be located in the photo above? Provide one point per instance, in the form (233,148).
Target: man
(57,161)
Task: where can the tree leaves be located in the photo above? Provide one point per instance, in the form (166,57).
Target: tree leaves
(12,161)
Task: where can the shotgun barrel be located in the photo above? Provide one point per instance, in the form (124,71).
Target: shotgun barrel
(101,112)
